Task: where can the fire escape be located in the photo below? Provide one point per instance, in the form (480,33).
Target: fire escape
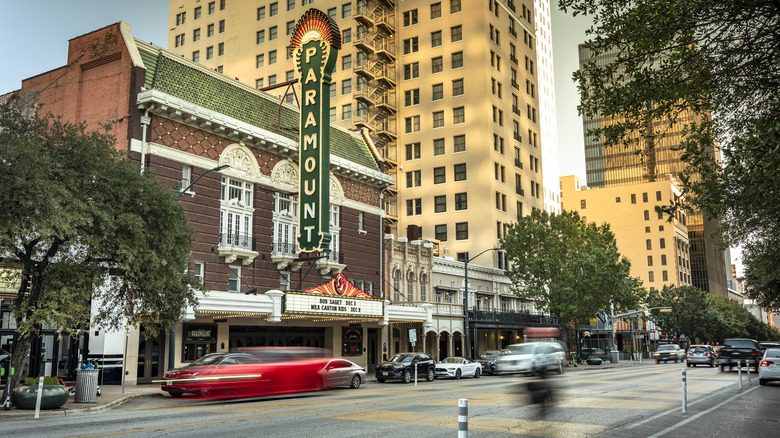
(375,92)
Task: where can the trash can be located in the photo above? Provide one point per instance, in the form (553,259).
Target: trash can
(86,386)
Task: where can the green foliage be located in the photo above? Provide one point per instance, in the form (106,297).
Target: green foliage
(711,71)
(568,267)
(46,381)
(88,231)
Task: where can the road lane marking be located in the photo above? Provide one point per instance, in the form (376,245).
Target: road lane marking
(659,415)
(688,420)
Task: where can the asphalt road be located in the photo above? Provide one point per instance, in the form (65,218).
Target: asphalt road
(636,402)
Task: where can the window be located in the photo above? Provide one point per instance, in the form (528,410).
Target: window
(411,45)
(413,151)
(456,33)
(272,33)
(259,84)
(181,18)
(650,276)
(438,146)
(198,12)
(457,60)
(647,215)
(346,10)
(288,76)
(459,143)
(649,260)
(414,207)
(435,10)
(440,204)
(633,198)
(412,124)
(439,175)
(437,65)
(396,287)
(260,37)
(196,35)
(459,172)
(411,71)
(413,179)
(222,4)
(236,209)
(663,243)
(271,80)
(660,214)
(259,60)
(412,97)
(234,278)
(260,13)
(663,259)
(332,14)
(644,197)
(179,40)
(273,9)
(462,231)
(454,6)
(436,39)
(658,195)
(410,17)
(441,233)
(209,52)
(198,271)
(196,56)
(458,115)
(438,119)
(346,62)
(221,26)
(220,49)
(437,92)
(210,30)
(346,86)
(346,35)
(461,201)
(582,204)
(649,244)
(346,112)
(457,87)
(271,59)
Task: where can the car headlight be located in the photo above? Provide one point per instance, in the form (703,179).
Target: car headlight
(656,354)
(673,353)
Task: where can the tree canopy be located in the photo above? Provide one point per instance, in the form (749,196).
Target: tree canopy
(713,70)
(93,239)
(568,267)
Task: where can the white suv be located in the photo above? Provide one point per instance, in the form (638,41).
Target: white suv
(531,358)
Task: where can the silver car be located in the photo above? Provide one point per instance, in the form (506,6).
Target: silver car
(769,368)
(531,358)
(341,372)
(701,355)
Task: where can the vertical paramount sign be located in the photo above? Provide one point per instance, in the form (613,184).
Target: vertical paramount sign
(314,46)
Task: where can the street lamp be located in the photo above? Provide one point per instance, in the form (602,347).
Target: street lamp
(467,345)
(216,169)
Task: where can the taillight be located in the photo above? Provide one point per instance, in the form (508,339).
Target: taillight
(720,353)
(754,353)
(766,363)
(708,355)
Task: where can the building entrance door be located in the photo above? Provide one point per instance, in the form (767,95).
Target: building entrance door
(148,359)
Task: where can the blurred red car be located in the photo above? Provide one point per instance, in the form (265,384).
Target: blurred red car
(249,373)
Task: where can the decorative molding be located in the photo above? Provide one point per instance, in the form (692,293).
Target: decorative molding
(242,162)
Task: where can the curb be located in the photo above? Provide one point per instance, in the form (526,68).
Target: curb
(25,413)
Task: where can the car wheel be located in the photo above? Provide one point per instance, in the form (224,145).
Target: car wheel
(380,380)
(712,364)
(762,382)
(355,382)
(429,376)
(657,361)
(477,373)
(457,374)
(688,365)
(723,368)
(176,394)
(407,376)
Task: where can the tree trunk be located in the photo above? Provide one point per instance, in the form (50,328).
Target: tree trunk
(20,355)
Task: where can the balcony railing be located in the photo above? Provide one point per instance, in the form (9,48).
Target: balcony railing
(284,248)
(515,317)
(236,241)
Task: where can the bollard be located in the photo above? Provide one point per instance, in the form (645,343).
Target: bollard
(739,372)
(747,367)
(463,418)
(684,393)
(415,375)
(38,398)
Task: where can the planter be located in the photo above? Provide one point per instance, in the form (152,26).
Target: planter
(53,396)
(593,360)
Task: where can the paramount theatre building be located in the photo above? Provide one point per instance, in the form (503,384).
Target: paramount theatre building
(231,152)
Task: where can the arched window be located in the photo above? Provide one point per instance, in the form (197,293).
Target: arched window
(423,287)
(396,287)
(410,286)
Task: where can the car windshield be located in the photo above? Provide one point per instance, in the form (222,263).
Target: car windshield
(209,359)
(738,343)
(402,358)
(666,347)
(452,360)
(520,349)
(698,350)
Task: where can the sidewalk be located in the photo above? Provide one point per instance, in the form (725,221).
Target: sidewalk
(110,397)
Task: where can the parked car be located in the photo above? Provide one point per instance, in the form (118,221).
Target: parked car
(531,358)
(598,352)
(243,375)
(457,367)
(739,351)
(341,372)
(701,355)
(402,365)
(668,352)
(488,360)
(769,368)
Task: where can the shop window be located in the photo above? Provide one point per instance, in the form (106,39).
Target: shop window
(352,341)
(199,340)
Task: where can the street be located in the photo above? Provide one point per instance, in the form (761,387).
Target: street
(640,401)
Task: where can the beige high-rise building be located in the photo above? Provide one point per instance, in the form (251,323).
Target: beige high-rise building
(449,92)
(659,250)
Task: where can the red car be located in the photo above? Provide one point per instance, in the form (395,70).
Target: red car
(246,375)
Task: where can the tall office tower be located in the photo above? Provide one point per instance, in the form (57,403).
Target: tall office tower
(547,120)
(618,167)
(447,91)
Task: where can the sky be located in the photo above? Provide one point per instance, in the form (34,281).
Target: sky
(34,39)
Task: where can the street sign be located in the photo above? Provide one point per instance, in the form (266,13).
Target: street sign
(600,315)
(413,335)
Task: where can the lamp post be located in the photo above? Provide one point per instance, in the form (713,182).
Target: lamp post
(467,344)
(172,336)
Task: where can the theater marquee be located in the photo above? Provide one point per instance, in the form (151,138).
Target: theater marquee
(337,297)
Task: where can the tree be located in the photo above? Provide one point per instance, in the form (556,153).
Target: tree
(94,240)
(690,315)
(568,267)
(711,68)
